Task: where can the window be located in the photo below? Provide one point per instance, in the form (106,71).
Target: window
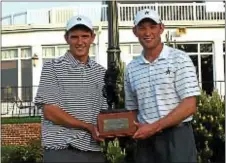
(194,59)
(16,74)
(26,53)
(202,56)
(92,52)
(206,48)
(224,47)
(207,73)
(133,49)
(48,52)
(9,74)
(61,50)
(130,51)
(26,74)
(137,49)
(26,69)
(53,51)
(189,48)
(224,55)
(125,49)
(9,54)
(9,80)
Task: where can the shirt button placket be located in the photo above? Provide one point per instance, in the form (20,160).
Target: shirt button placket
(85,89)
(83,76)
(151,76)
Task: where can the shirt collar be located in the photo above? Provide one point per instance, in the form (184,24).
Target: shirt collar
(76,62)
(163,55)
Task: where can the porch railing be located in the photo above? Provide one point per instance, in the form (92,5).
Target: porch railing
(19,101)
(172,11)
(182,12)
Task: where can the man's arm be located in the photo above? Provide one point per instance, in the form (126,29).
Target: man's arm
(187,88)
(55,114)
(58,116)
(48,98)
(185,109)
(186,85)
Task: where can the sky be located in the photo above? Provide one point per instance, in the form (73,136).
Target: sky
(15,7)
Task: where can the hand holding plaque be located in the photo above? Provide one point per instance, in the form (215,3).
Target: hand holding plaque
(114,122)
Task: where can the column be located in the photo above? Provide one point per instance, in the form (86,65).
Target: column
(219,66)
(36,70)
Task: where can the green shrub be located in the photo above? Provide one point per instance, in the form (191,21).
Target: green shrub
(120,85)
(31,153)
(209,130)
(35,150)
(113,151)
(208,124)
(6,152)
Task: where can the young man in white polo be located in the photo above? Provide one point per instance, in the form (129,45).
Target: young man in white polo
(70,95)
(161,86)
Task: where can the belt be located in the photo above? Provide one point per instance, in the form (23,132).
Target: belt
(54,148)
(60,148)
(183,124)
(70,147)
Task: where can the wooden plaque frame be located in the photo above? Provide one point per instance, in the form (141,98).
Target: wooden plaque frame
(116,119)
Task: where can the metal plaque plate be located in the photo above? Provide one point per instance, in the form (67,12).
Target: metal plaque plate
(115,124)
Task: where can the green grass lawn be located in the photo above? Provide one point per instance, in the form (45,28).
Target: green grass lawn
(18,120)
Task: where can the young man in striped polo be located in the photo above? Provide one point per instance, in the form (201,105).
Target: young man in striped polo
(161,86)
(70,94)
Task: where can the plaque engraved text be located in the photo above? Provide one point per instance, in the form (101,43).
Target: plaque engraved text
(116,124)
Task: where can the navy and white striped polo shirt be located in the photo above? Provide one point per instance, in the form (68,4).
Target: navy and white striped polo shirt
(77,89)
(157,88)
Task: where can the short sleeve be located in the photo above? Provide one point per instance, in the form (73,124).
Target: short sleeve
(48,89)
(186,81)
(130,96)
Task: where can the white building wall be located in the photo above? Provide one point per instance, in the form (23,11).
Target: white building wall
(36,49)
(193,34)
(101,38)
(33,38)
(36,39)
(218,66)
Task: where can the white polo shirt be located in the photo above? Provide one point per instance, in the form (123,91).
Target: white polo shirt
(157,88)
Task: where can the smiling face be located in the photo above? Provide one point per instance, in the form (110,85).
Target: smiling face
(149,33)
(79,39)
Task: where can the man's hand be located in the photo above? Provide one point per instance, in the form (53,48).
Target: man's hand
(146,130)
(95,134)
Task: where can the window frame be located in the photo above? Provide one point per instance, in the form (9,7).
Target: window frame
(57,46)
(19,60)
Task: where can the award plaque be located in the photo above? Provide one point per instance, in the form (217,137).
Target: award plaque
(116,123)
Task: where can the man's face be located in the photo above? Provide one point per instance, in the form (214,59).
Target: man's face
(148,33)
(79,41)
